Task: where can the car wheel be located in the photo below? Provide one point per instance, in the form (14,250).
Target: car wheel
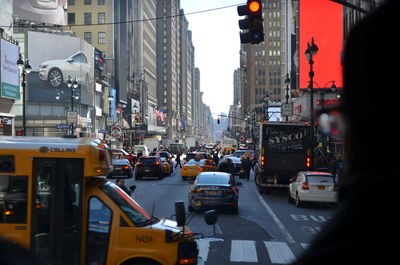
(298,202)
(235,208)
(191,209)
(55,77)
(290,199)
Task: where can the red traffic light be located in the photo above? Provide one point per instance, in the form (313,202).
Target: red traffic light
(254,6)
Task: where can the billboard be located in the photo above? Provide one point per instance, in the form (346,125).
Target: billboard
(9,78)
(55,58)
(48,11)
(321,20)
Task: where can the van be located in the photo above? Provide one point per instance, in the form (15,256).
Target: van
(143,148)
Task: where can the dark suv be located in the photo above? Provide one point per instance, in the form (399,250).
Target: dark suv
(149,166)
(165,154)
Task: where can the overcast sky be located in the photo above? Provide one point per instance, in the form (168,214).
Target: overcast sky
(217,44)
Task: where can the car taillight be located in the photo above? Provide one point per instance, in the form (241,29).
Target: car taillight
(201,168)
(125,167)
(156,163)
(231,190)
(139,163)
(305,186)
(308,161)
(197,191)
(262,160)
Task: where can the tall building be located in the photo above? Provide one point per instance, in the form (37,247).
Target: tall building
(168,70)
(91,21)
(265,67)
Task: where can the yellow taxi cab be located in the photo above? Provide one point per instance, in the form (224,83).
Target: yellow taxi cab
(166,165)
(56,201)
(195,166)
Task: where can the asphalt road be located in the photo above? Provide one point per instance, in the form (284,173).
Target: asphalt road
(267,229)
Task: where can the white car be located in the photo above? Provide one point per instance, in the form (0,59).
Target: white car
(56,72)
(313,186)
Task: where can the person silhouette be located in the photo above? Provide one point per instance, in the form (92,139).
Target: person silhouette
(362,229)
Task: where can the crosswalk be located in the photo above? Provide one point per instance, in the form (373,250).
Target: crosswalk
(246,251)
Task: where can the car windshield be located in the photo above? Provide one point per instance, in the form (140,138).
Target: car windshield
(120,162)
(220,179)
(193,162)
(135,213)
(148,159)
(320,179)
(159,154)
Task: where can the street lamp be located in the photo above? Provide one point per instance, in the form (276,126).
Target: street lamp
(24,68)
(287,83)
(265,107)
(310,52)
(73,85)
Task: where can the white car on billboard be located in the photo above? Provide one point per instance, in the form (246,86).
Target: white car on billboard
(57,72)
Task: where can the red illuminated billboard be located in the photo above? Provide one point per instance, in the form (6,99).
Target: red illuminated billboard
(323,21)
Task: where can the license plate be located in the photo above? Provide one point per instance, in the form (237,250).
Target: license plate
(117,168)
(212,192)
(147,170)
(197,204)
(321,187)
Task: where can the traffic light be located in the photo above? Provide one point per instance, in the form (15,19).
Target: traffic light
(253,22)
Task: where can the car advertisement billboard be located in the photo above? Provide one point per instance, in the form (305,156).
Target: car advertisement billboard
(55,58)
(45,11)
(323,21)
(9,79)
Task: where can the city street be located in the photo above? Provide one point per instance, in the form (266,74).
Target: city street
(267,230)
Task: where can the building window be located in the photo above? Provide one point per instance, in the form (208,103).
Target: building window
(101,2)
(102,37)
(71,18)
(87,36)
(87,18)
(87,2)
(101,17)
(71,2)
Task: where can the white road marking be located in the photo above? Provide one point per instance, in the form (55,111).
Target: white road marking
(275,218)
(305,245)
(279,252)
(243,251)
(204,246)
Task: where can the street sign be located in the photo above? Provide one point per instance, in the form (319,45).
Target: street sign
(62,126)
(110,121)
(116,132)
(72,116)
(286,109)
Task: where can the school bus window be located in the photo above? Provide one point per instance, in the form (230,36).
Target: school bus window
(7,164)
(135,213)
(99,227)
(13,199)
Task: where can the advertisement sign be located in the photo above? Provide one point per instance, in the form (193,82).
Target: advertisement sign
(323,21)
(55,58)
(9,78)
(48,11)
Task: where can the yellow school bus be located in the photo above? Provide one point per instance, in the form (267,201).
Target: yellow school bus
(56,201)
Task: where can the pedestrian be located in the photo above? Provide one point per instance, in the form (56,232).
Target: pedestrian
(364,226)
(121,184)
(139,154)
(246,165)
(178,160)
(215,158)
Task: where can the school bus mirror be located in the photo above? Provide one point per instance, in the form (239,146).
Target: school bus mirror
(180,213)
